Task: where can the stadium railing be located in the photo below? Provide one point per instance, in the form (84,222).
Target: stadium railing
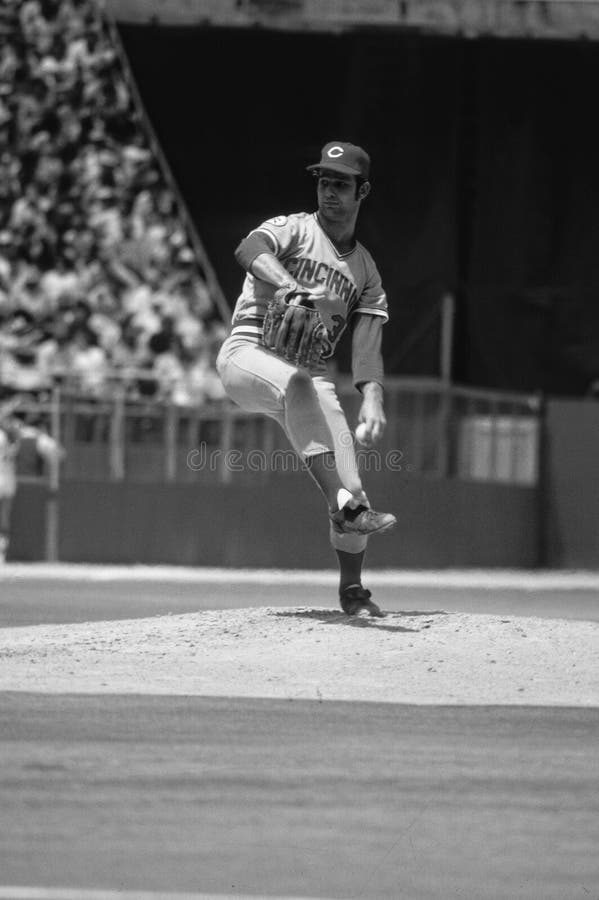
(434,430)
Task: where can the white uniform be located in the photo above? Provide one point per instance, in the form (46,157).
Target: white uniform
(8,452)
(305,404)
(10,443)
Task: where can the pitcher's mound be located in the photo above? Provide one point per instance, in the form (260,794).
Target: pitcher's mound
(313,653)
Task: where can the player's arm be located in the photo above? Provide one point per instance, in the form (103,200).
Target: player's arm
(256,255)
(368,371)
(47,447)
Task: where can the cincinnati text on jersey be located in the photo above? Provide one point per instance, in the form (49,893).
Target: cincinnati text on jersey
(311,271)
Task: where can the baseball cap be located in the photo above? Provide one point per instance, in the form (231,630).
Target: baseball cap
(343,157)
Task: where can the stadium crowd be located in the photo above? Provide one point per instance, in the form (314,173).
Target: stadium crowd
(98,278)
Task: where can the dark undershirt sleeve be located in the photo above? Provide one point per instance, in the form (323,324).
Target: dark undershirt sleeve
(251,247)
(367,358)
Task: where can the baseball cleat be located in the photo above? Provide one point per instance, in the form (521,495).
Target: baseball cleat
(355,598)
(361,520)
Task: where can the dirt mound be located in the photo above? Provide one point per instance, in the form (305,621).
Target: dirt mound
(317,653)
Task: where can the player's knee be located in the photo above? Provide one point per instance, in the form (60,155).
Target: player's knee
(301,384)
(302,378)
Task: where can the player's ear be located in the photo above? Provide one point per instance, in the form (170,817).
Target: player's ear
(363,190)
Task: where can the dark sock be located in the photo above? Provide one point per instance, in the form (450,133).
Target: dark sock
(350,568)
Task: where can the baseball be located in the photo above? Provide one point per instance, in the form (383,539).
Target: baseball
(363,435)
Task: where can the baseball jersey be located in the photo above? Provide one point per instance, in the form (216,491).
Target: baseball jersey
(302,246)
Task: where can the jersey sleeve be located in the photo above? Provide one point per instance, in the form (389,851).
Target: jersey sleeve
(367,357)
(373,299)
(283,232)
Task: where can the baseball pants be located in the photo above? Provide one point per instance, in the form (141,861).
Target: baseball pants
(306,406)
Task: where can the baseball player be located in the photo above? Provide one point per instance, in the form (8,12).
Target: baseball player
(307,278)
(12,433)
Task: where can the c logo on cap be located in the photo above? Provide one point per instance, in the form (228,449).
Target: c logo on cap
(334,152)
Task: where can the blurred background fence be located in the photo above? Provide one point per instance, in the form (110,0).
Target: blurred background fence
(435,430)
(477,477)
(148,481)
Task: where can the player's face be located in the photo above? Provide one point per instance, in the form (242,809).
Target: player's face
(336,193)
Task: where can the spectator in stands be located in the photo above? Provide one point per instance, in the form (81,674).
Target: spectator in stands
(87,363)
(84,210)
(54,350)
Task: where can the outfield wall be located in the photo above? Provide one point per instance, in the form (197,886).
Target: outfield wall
(442,523)
(280,521)
(571,497)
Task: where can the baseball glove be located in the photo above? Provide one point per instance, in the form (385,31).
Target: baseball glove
(293,328)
